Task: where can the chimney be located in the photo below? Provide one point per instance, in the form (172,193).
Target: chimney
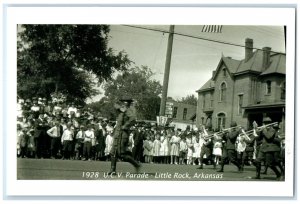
(248,49)
(266,57)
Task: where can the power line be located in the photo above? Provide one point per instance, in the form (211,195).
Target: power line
(197,37)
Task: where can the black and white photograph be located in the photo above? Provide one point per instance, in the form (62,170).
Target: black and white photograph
(168,102)
(152,105)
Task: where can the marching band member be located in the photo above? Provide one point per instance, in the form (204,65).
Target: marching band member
(230,151)
(125,120)
(269,149)
(242,143)
(206,149)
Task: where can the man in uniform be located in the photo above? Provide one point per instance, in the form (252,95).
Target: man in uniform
(125,120)
(269,149)
(229,151)
(206,149)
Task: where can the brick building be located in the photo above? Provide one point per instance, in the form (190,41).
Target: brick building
(244,90)
(182,114)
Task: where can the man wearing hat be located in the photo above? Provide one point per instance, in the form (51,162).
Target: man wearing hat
(229,153)
(125,120)
(269,149)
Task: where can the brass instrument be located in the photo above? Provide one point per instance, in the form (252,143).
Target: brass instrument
(260,128)
(240,141)
(218,134)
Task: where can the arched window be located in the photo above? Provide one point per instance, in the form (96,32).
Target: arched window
(282,93)
(223,88)
(224,72)
(221,120)
(268,87)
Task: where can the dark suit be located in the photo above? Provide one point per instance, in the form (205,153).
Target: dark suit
(121,138)
(138,144)
(40,137)
(229,151)
(268,151)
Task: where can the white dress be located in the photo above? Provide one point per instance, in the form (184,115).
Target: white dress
(108,144)
(217,149)
(156,148)
(197,150)
(190,147)
(175,140)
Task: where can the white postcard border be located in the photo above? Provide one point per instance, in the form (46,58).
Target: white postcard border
(138,15)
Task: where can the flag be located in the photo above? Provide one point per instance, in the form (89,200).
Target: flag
(212,29)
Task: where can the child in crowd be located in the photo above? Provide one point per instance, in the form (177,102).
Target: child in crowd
(22,138)
(217,149)
(147,149)
(182,150)
(190,147)
(197,150)
(156,149)
(108,145)
(30,144)
(175,141)
(131,142)
(151,144)
(79,143)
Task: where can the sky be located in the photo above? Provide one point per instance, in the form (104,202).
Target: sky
(193,60)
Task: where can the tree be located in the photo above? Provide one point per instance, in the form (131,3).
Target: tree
(65,58)
(137,84)
(189,99)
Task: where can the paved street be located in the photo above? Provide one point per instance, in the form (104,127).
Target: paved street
(48,169)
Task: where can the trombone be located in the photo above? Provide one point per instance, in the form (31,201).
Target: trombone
(260,128)
(218,134)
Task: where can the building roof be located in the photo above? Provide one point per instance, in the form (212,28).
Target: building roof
(207,86)
(231,64)
(254,64)
(277,65)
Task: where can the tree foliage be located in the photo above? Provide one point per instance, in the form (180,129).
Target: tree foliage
(137,84)
(189,99)
(67,58)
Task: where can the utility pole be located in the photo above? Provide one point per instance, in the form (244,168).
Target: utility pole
(167,72)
